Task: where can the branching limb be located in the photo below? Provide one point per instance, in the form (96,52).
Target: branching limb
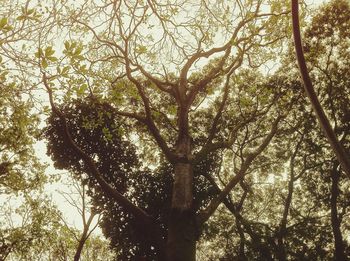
(140,214)
(342,156)
(213,205)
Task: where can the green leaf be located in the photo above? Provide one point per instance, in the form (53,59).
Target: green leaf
(141,49)
(49,51)
(78,50)
(44,63)
(65,71)
(3,22)
(39,53)
(21,17)
(30,11)
(52,59)
(82,89)
(66,45)
(7,28)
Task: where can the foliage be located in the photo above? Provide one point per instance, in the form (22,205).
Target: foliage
(143,94)
(19,168)
(97,129)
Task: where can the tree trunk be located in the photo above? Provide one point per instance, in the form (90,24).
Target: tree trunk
(242,242)
(182,231)
(281,249)
(79,248)
(339,249)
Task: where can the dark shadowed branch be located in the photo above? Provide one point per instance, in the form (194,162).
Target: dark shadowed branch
(338,149)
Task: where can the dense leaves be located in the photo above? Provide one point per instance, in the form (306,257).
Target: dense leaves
(95,128)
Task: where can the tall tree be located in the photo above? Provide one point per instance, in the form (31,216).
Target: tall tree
(328,48)
(165,97)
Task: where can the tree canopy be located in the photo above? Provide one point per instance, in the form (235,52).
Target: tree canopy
(186,122)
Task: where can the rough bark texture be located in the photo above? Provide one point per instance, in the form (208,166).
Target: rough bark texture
(80,247)
(182,232)
(182,236)
(182,197)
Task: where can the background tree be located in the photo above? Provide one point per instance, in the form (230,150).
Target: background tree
(19,168)
(29,219)
(78,199)
(309,200)
(337,147)
(24,229)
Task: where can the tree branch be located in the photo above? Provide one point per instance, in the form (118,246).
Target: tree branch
(338,149)
(213,205)
(140,214)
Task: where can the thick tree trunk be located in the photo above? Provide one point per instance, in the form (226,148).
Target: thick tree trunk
(339,249)
(182,231)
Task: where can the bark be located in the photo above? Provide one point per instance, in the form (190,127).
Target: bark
(339,248)
(182,236)
(182,232)
(80,248)
(241,254)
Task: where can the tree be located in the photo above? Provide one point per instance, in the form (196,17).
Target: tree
(97,128)
(19,168)
(323,120)
(149,93)
(25,228)
(79,200)
(325,39)
(312,224)
(165,113)
(21,173)
(29,219)
(331,71)
(34,229)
